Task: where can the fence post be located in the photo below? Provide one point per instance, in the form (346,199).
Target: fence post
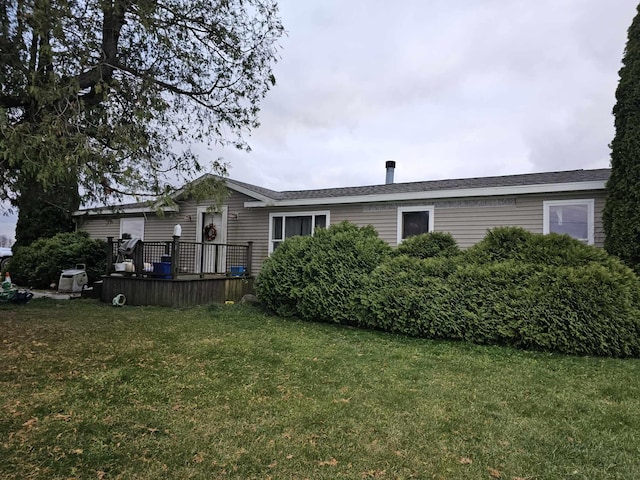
(109,255)
(201,248)
(175,256)
(249,258)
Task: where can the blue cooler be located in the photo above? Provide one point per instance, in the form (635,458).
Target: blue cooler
(238,271)
(162,269)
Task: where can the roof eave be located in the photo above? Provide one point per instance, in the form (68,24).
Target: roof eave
(123,211)
(436,194)
(250,193)
(175,196)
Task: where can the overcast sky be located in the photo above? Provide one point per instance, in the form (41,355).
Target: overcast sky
(446,88)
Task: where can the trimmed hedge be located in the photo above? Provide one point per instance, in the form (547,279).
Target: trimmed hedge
(584,310)
(515,243)
(282,276)
(549,293)
(411,296)
(321,277)
(40,264)
(427,245)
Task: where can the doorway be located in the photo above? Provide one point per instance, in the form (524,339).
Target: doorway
(211,234)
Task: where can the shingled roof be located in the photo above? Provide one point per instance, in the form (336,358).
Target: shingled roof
(264,196)
(545,178)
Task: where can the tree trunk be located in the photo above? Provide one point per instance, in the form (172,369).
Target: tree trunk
(43,213)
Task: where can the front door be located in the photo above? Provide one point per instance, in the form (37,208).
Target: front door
(212,233)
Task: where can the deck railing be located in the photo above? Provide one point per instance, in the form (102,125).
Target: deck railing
(175,258)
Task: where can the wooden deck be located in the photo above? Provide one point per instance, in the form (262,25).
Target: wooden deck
(185,291)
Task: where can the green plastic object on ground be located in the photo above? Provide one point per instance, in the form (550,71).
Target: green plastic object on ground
(10,293)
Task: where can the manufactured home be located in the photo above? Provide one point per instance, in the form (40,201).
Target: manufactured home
(568,202)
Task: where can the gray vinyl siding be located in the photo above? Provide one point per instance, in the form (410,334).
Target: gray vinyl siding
(155,228)
(99,227)
(383,217)
(469,225)
(467,219)
(600,200)
(243,225)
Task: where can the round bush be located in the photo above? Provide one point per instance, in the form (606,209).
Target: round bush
(282,276)
(427,245)
(515,243)
(501,243)
(549,293)
(320,277)
(38,265)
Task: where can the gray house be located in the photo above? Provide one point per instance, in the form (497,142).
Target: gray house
(566,202)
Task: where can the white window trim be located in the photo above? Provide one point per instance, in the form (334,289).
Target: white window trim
(295,214)
(124,219)
(418,208)
(589,202)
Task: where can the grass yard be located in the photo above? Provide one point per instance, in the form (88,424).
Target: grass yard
(91,391)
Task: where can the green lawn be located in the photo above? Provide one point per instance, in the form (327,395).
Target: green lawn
(92,391)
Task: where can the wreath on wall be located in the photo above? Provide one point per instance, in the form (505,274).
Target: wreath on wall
(210,232)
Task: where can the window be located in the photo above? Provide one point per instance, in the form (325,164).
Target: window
(132,226)
(414,221)
(571,217)
(283,226)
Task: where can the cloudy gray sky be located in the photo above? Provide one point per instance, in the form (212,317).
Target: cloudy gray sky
(446,88)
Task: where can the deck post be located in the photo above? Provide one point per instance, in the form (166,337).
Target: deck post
(138,258)
(249,258)
(109,253)
(175,256)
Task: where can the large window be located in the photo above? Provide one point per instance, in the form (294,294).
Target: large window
(414,221)
(134,227)
(571,217)
(285,225)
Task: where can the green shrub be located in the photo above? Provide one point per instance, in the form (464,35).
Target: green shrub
(40,264)
(320,277)
(549,293)
(585,310)
(515,243)
(502,243)
(411,296)
(427,245)
(282,276)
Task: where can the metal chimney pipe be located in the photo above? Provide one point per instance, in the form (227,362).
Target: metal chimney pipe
(390,166)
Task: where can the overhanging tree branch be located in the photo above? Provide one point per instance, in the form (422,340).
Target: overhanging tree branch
(109,89)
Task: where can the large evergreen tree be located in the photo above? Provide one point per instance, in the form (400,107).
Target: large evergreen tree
(100,98)
(621,216)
